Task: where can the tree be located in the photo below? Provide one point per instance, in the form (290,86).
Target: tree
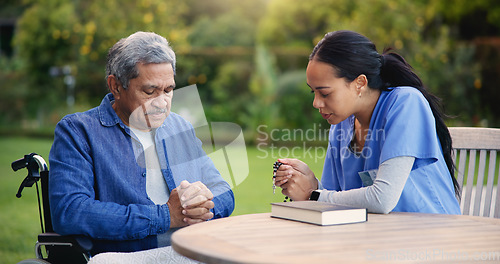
(78,34)
(418,30)
(220,45)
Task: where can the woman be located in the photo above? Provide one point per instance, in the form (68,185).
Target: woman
(389,149)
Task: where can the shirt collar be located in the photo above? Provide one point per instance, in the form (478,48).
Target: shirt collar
(107,114)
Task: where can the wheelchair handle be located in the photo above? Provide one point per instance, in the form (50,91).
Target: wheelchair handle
(19,164)
(34,163)
(26,182)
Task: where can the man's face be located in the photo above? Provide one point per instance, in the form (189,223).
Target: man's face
(147,101)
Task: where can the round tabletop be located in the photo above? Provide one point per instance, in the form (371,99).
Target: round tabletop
(411,237)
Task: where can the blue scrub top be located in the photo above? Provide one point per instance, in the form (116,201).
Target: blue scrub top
(402,124)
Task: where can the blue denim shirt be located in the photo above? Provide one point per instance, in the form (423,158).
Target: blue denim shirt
(97,185)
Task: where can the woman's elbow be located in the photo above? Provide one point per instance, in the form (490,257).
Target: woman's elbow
(382,208)
(379,210)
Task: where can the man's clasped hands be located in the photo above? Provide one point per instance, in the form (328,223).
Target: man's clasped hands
(190,203)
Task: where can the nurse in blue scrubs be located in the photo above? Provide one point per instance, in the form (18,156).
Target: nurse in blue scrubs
(389,148)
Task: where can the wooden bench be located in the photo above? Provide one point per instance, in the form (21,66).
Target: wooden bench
(467,143)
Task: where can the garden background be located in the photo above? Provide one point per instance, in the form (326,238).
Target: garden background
(248,60)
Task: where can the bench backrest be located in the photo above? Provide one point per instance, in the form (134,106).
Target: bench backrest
(476,174)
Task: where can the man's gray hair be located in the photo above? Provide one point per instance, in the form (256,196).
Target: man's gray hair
(140,47)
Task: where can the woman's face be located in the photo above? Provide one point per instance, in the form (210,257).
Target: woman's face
(335,98)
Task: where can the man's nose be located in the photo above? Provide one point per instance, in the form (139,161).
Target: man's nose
(160,101)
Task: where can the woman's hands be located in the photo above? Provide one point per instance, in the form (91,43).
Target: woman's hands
(296,180)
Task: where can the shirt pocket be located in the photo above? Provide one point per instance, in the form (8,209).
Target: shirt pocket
(368,177)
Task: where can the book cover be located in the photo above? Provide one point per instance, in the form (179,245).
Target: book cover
(319,213)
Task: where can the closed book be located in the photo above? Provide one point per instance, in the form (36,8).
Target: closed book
(319,213)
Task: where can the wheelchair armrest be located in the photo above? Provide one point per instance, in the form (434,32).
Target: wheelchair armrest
(80,242)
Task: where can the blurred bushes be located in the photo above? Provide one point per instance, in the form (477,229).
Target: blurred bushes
(248,58)
(13,91)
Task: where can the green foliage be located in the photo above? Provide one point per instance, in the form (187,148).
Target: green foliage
(244,56)
(13,90)
(225,30)
(295,107)
(461,8)
(229,91)
(262,107)
(79,34)
(43,40)
(413,28)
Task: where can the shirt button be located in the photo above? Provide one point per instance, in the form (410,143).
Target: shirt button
(143,174)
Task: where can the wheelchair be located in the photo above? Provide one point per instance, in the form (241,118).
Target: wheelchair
(51,247)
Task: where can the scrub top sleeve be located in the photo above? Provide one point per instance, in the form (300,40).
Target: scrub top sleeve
(329,179)
(410,129)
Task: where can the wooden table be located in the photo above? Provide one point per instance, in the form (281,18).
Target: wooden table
(395,237)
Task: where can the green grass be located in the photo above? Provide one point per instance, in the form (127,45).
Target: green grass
(19,217)
(255,193)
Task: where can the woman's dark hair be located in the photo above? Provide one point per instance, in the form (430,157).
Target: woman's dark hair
(352,54)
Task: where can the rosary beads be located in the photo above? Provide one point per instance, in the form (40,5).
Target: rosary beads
(276,166)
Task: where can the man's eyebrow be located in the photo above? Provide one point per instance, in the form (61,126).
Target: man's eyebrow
(319,87)
(147,86)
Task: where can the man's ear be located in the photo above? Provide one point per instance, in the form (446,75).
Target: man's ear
(114,86)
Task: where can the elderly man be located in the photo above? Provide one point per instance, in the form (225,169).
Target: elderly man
(128,172)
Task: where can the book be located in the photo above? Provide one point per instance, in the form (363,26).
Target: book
(319,213)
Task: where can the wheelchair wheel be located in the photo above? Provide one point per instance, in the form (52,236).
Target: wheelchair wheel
(33,261)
